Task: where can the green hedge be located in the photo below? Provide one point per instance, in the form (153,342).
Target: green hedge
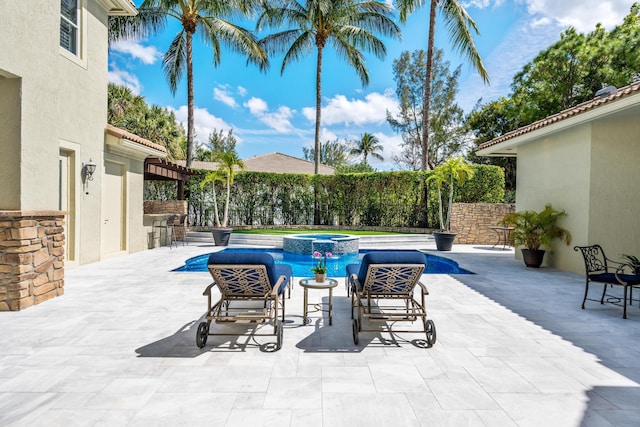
(385,199)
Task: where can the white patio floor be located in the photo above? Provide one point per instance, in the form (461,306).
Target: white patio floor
(513,349)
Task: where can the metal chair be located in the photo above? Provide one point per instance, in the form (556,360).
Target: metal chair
(600,269)
(252,290)
(179,230)
(164,226)
(383,290)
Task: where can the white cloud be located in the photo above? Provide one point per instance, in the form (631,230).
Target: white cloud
(583,15)
(221,93)
(204,122)
(124,78)
(146,54)
(256,106)
(277,120)
(533,34)
(242,91)
(339,109)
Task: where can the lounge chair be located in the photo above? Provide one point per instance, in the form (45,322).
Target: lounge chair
(252,290)
(600,269)
(382,289)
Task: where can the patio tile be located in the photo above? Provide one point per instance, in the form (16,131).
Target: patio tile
(367,409)
(514,348)
(460,393)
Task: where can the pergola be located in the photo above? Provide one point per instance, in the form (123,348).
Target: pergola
(156,169)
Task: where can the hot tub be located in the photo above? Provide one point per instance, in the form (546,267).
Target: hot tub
(306,244)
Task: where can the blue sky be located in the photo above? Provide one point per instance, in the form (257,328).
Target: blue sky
(270,112)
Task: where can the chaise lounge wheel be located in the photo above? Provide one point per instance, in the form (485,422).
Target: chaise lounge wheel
(431,332)
(354,327)
(202,334)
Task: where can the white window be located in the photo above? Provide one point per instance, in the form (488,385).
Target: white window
(69,25)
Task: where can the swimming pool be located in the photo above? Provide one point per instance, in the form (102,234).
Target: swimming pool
(336,266)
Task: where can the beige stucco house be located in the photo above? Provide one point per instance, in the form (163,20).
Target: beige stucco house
(53,113)
(585,160)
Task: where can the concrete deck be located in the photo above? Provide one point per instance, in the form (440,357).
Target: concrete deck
(513,349)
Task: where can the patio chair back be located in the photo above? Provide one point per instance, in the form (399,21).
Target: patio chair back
(245,273)
(391,272)
(595,261)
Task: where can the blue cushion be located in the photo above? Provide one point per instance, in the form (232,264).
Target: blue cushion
(256,258)
(385,257)
(631,279)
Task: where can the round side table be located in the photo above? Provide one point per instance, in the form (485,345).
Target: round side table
(310,283)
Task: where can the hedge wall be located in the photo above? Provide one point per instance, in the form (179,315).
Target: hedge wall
(387,199)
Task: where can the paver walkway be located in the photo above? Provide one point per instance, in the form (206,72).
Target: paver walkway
(513,349)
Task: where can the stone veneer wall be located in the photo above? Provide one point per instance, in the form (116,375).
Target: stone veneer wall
(472,220)
(31,257)
(178,207)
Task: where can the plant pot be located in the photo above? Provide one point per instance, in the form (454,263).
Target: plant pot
(532,259)
(320,277)
(221,236)
(444,240)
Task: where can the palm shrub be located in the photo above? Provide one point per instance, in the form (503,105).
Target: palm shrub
(454,171)
(533,229)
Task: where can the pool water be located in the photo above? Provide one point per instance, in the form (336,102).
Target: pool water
(336,266)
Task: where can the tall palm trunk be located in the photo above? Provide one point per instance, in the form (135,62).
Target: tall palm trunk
(426,102)
(190,126)
(316,160)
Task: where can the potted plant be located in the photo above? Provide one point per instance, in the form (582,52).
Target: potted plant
(632,262)
(447,175)
(533,229)
(320,270)
(224,154)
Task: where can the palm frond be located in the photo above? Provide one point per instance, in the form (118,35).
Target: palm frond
(175,60)
(460,25)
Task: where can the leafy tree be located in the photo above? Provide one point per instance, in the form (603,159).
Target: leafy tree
(223,152)
(460,26)
(157,124)
(574,68)
(347,25)
(367,145)
(448,132)
(332,153)
(211,18)
(489,121)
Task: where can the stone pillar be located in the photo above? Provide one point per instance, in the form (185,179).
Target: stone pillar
(31,257)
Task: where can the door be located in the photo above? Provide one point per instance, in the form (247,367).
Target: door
(113,196)
(66,202)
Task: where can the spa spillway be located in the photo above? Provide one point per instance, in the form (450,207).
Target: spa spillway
(306,244)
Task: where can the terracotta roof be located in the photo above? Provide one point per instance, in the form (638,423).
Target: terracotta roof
(599,101)
(123,134)
(272,162)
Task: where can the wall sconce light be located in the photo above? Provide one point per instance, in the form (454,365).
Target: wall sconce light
(87,174)
(88,169)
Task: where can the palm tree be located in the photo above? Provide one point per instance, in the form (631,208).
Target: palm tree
(227,160)
(208,16)
(367,145)
(460,26)
(347,25)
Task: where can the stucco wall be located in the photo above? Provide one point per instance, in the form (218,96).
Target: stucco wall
(556,169)
(61,104)
(615,185)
